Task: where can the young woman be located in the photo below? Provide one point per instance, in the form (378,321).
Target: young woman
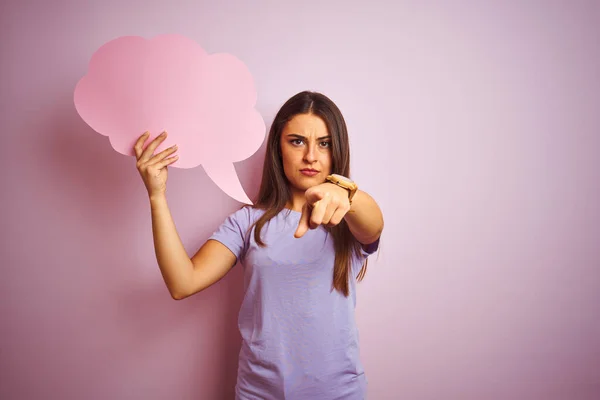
(303,245)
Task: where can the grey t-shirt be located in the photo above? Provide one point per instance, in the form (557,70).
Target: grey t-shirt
(299,335)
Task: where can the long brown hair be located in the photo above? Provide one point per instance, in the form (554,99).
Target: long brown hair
(275,192)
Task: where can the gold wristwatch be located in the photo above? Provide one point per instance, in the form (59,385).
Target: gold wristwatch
(345,183)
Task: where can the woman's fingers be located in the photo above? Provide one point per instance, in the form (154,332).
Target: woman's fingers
(168,161)
(330,212)
(318,211)
(336,211)
(149,151)
(321,209)
(337,216)
(162,155)
(138,148)
(323,212)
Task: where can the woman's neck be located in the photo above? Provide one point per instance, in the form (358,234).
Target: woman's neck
(297,201)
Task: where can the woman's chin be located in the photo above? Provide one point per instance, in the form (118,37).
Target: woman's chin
(305,182)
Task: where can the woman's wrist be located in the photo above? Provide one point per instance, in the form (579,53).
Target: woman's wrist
(157,198)
(356,200)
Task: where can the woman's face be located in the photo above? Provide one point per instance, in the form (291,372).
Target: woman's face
(306,151)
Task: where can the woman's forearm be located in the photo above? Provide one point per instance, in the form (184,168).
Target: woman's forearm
(364,219)
(175,265)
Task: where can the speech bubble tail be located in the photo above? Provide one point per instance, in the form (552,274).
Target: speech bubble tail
(225,176)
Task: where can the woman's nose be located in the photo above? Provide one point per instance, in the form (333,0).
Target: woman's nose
(310,155)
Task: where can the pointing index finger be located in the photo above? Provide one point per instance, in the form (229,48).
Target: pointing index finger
(303,225)
(318,212)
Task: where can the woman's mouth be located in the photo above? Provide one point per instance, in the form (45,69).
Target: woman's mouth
(309,172)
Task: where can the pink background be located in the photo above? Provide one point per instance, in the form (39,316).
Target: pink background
(476,127)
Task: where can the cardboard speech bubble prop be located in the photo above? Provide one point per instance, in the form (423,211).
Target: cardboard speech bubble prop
(206,103)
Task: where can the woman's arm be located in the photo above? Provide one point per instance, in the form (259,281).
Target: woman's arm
(364,219)
(182,275)
(175,265)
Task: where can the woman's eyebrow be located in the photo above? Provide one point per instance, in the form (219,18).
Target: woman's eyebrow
(304,137)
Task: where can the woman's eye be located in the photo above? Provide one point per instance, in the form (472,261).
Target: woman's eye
(326,144)
(296,142)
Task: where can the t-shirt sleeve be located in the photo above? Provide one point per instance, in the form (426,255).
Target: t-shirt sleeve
(233,232)
(369,249)
(365,251)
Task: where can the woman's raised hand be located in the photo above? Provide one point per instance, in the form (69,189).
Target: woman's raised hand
(153,167)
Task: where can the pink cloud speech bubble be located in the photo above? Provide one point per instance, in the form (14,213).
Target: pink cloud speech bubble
(206,103)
